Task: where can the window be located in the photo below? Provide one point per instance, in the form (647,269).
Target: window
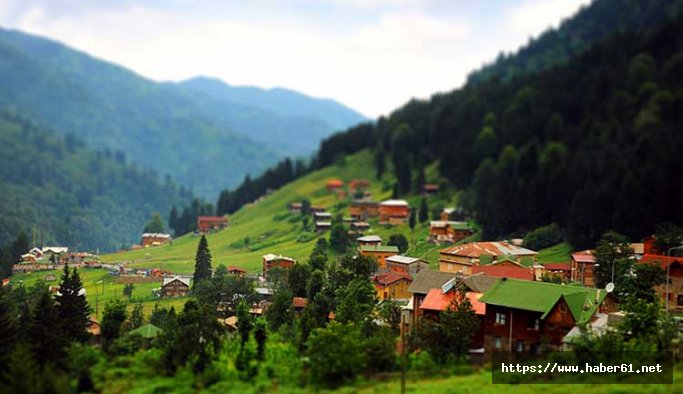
(498,343)
(562,308)
(534,324)
(679,300)
(500,318)
(520,346)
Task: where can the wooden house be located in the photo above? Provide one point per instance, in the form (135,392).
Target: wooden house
(438,300)
(271,261)
(334,185)
(209,223)
(295,207)
(363,209)
(505,268)
(674,265)
(176,286)
(424,281)
(394,212)
(317,208)
(236,271)
(369,240)
(357,185)
(406,264)
(430,188)
(441,231)
(322,216)
(581,266)
(360,227)
(522,315)
(55,253)
(461,258)
(558,270)
(379,252)
(392,285)
(155,239)
(321,227)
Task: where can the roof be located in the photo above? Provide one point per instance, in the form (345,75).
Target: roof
(542,297)
(584,256)
(398,259)
(370,238)
(156,235)
(147,331)
(364,202)
(436,300)
(476,249)
(449,223)
(379,248)
(323,224)
(504,271)
(322,214)
(299,302)
(335,182)
(212,219)
(557,266)
(394,203)
(55,249)
(233,268)
(168,280)
(660,259)
(479,283)
(388,278)
(271,257)
(638,248)
(427,280)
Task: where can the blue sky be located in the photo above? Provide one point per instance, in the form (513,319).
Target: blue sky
(372,55)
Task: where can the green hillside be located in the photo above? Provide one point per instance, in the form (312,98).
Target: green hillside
(271,229)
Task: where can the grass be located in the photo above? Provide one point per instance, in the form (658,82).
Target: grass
(271,230)
(560,253)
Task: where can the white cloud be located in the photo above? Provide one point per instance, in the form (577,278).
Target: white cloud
(533,17)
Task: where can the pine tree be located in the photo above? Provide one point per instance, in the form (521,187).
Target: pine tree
(173,219)
(260,334)
(202,265)
(46,333)
(8,331)
(72,307)
(424,211)
(411,220)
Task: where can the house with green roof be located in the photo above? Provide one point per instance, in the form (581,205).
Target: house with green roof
(521,315)
(379,252)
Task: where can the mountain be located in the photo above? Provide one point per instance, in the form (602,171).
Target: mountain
(577,34)
(281,118)
(62,193)
(592,143)
(177,129)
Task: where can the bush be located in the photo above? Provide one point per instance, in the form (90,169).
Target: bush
(423,363)
(336,354)
(305,237)
(543,237)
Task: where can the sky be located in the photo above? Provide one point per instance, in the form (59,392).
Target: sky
(372,55)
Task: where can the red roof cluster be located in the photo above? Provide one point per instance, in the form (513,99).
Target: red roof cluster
(436,300)
(504,271)
(584,256)
(662,260)
(387,278)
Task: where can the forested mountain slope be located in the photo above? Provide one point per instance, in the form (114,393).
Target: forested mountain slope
(61,193)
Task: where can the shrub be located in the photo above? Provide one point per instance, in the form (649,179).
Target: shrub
(305,237)
(543,237)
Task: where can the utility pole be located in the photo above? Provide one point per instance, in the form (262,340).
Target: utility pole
(403,353)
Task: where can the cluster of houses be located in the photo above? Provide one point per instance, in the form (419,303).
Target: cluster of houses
(205,225)
(50,257)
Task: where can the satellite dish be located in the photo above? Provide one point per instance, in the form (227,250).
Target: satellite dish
(610,287)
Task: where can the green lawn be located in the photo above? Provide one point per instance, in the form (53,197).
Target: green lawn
(271,230)
(560,253)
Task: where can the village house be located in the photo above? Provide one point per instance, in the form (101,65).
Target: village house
(558,270)
(461,258)
(406,264)
(674,265)
(321,227)
(373,240)
(155,239)
(334,185)
(54,253)
(424,281)
(322,216)
(176,286)
(236,271)
(360,227)
(357,185)
(363,209)
(317,208)
(522,315)
(295,207)
(209,223)
(430,189)
(379,252)
(271,261)
(441,231)
(581,265)
(505,267)
(298,304)
(392,285)
(394,212)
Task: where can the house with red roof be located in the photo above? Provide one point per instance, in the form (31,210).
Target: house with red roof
(209,223)
(505,268)
(559,270)
(394,212)
(334,184)
(674,265)
(392,285)
(582,266)
(236,271)
(461,258)
(437,302)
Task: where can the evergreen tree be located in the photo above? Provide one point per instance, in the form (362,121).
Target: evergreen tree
(380,163)
(73,307)
(280,312)
(424,211)
(202,266)
(173,221)
(112,322)
(8,330)
(244,322)
(155,224)
(260,335)
(46,333)
(400,241)
(411,220)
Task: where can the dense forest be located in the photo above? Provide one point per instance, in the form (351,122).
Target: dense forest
(592,143)
(171,128)
(59,192)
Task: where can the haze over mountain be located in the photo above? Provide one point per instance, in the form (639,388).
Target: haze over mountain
(204,134)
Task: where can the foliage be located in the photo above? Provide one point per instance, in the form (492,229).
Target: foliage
(128,290)
(423,215)
(112,322)
(613,250)
(244,322)
(336,354)
(400,241)
(202,267)
(298,278)
(543,237)
(155,224)
(356,301)
(72,306)
(280,312)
